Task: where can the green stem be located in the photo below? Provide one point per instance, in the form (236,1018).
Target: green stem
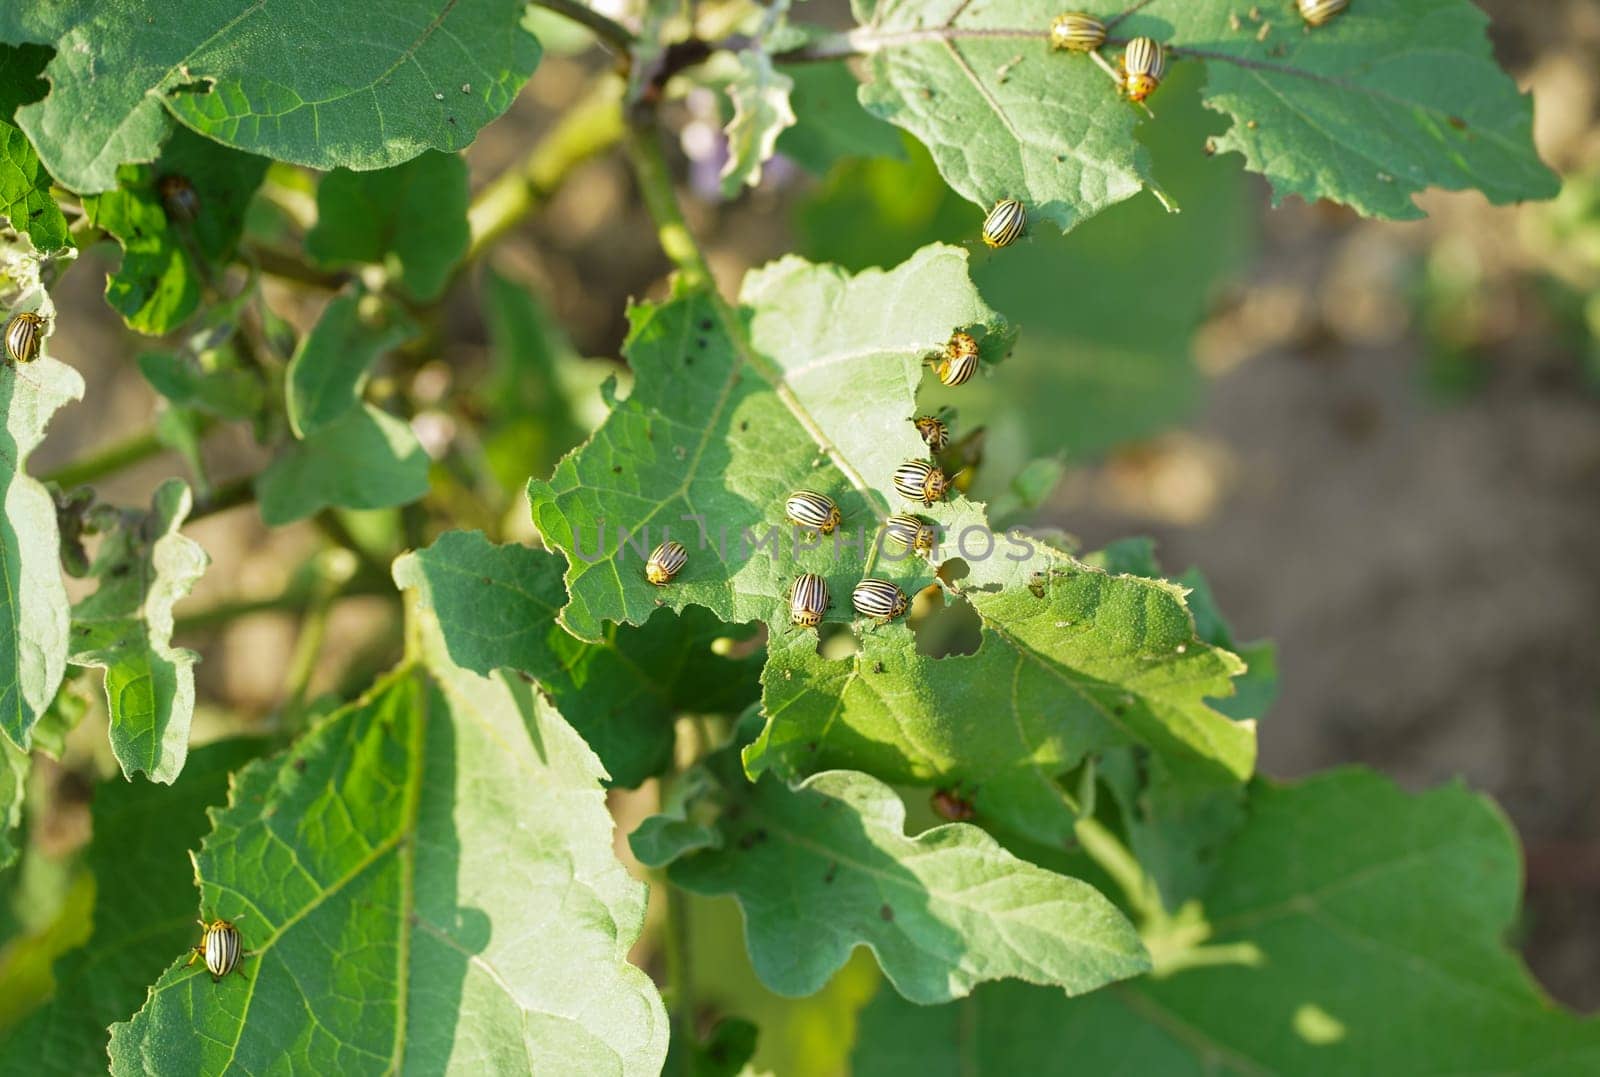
(1107,850)
(643,143)
(106,461)
(228,495)
(613,34)
(332,527)
(679,990)
(285,266)
(586,130)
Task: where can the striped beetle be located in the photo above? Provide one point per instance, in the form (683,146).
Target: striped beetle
(879,599)
(808,600)
(910,531)
(665,562)
(1004,223)
(1318,12)
(1144,65)
(960,359)
(806,509)
(24,334)
(918,480)
(950,805)
(1077,32)
(219,947)
(935,434)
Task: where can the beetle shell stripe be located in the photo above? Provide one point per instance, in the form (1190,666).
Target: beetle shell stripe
(807,509)
(918,480)
(1077,32)
(1144,65)
(665,562)
(910,531)
(933,431)
(220,945)
(1317,12)
(808,600)
(23,336)
(1004,223)
(879,598)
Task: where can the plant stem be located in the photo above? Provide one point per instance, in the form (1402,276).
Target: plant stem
(285,266)
(679,991)
(613,34)
(112,458)
(1107,850)
(643,143)
(327,521)
(228,495)
(587,129)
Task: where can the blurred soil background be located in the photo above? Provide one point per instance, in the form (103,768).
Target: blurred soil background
(1388,463)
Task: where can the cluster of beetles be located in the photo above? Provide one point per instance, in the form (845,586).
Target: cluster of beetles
(1142,67)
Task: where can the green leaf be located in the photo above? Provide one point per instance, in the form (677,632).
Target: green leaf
(819,397)
(427,883)
(25,198)
(761,111)
(1350,928)
(1085,376)
(1388,99)
(169,263)
(831,125)
(144,567)
(1003,116)
(829,862)
(367,460)
(496,607)
(227,392)
(34,614)
(723,1053)
(331,364)
(143,913)
(20,79)
(295,80)
(411,219)
(13,783)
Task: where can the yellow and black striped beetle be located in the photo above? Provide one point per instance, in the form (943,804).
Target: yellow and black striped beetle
(808,600)
(807,509)
(935,434)
(952,806)
(665,562)
(219,948)
(960,359)
(1144,65)
(918,480)
(1077,32)
(879,599)
(24,334)
(1317,12)
(1004,223)
(912,532)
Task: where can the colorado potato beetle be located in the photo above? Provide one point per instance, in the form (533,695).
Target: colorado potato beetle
(935,434)
(665,562)
(879,599)
(24,334)
(1004,223)
(912,532)
(178,197)
(918,480)
(1077,32)
(808,600)
(1144,65)
(1317,12)
(960,359)
(807,509)
(219,948)
(951,806)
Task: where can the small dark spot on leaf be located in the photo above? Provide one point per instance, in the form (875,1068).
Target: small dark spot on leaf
(699,342)
(747,840)
(811,746)
(616,469)
(760,833)
(833,870)
(300,765)
(1458,123)
(1037,589)
(877,667)
(744,424)
(887,914)
(1119,710)
(705,324)
(486,580)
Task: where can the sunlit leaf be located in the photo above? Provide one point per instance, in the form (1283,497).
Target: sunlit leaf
(761,111)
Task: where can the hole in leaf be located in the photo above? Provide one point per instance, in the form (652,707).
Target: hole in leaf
(836,641)
(945,628)
(194,86)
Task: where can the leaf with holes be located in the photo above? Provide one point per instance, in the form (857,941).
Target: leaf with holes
(943,911)
(496,607)
(1392,97)
(1350,928)
(172,255)
(813,387)
(143,912)
(761,112)
(34,613)
(144,566)
(25,199)
(324,85)
(388,875)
